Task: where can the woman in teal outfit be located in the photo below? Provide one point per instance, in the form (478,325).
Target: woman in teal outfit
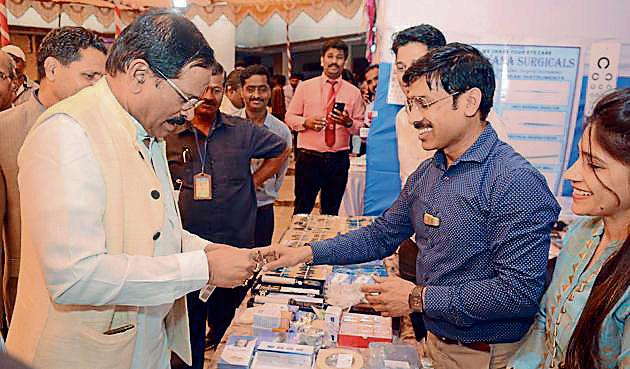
(584,318)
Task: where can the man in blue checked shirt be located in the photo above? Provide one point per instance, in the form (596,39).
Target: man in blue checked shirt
(481,213)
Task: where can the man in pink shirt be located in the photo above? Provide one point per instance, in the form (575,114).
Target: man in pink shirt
(323,132)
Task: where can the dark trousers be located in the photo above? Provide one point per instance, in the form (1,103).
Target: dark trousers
(221,308)
(315,171)
(264,225)
(218,311)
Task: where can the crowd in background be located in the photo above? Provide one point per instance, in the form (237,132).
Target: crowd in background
(143,203)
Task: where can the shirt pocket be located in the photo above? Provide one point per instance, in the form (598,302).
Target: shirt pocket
(106,351)
(313,106)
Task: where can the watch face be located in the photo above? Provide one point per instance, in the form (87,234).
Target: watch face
(415,299)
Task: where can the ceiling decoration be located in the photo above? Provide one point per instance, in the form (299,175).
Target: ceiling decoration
(209,10)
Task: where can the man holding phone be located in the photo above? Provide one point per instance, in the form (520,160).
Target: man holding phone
(325,111)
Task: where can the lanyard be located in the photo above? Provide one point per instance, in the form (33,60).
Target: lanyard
(203,156)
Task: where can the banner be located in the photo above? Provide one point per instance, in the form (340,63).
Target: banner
(535,88)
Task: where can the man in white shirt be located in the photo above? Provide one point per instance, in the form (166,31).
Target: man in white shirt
(289,89)
(7,75)
(410,45)
(25,86)
(105,260)
(232,103)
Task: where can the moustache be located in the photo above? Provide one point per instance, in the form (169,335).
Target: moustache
(333,65)
(419,124)
(208,102)
(179,120)
(256,99)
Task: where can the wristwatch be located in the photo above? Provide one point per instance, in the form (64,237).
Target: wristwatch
(416,299)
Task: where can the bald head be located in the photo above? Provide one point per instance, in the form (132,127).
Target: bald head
(7,64)
(7,75)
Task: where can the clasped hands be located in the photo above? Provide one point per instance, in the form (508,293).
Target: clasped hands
(232,267)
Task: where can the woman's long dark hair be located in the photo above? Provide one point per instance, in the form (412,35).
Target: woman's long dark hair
(610,126)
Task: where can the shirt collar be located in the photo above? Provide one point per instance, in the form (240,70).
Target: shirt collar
(36,101)
(325,78)
(141,133)
(478,152)
(218,123)
(266,123)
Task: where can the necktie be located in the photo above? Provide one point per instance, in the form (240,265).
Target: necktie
(329,131)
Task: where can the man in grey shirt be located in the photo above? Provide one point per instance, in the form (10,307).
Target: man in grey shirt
(256,92)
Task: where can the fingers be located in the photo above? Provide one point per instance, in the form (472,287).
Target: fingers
(379,279)
(336,117)
(278,263)
(368,288)
(379,307)
(268,253)
(374,299)
(320,124)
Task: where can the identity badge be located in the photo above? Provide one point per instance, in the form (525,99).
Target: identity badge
(202,187)
(431,220)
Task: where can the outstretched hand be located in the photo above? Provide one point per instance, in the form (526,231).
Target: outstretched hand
(278,256)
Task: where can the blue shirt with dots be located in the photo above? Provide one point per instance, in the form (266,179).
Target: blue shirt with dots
(483,259)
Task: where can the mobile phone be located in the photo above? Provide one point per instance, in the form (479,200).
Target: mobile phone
(339,106)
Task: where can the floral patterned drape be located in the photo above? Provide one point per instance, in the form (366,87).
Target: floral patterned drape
(208,10)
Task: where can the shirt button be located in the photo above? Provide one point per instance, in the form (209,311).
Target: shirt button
(155,194)
(156,236)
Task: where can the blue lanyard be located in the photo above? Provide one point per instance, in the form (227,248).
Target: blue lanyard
(203,156)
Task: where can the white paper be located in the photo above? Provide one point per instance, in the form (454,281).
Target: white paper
(395,364)
(344,361)
(395,95)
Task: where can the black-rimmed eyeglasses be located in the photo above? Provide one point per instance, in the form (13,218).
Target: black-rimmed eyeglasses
(189,102)
(422,105)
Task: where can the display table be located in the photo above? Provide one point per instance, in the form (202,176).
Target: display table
(353,197)
(303,229)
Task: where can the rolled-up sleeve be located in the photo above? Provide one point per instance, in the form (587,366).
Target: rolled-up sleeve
(358,114)
(62,192)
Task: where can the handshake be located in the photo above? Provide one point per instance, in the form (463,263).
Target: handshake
(232,267)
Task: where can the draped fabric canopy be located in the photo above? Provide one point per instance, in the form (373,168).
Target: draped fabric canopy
(208,10)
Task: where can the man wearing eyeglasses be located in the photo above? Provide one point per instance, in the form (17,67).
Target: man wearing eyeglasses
(210,165)
(7,74)
(481,213)
(105,263)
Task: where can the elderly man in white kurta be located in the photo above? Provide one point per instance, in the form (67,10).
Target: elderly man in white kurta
(105,260)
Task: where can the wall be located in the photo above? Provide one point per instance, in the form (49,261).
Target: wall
(221,35)
(223,45)
(251,34)
(578,21)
